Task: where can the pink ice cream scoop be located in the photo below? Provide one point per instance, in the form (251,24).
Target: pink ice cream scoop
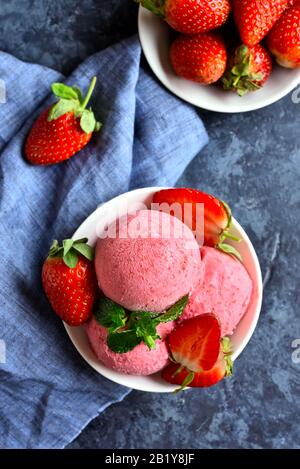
(139,361)
(224,288)
(152,261)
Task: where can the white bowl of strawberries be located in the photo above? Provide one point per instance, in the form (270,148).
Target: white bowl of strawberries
(200,334)
(223,56)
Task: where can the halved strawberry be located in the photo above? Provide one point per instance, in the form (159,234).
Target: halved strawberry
(178,374)
(196,342)
(217,215)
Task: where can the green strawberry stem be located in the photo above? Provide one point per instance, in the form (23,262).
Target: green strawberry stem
(70,250)
(71,100)
(155,6)
(89,93)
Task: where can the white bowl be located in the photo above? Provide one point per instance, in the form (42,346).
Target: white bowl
(104,215)
(155,39)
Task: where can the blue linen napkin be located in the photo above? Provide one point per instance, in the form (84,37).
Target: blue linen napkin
(48,393)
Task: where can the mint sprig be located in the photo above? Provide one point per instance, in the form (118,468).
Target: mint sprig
(128,329)
(144,327)
(71,100)
(70,250)
(110,315)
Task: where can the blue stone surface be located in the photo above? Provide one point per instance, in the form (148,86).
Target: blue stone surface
(252,162)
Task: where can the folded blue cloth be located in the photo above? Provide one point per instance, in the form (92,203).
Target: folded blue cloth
(47,392)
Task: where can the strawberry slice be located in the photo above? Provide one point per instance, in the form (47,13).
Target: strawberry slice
(178,374)
(217,215)
(195,343)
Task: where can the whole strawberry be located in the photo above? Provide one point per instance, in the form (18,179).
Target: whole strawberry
(217,216)
(200,57)
(190,16)
(69,280)
(255,18)
(64,129)
(284,38)
(249,69)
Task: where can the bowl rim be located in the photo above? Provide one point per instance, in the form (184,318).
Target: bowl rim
(120,378)
(181,94)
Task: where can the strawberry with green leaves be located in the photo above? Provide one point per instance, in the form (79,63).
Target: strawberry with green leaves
(255,18)
(190,16)
(64,129)
(200,57)
(217,215)
(69,280)
(249,69)
(176,373)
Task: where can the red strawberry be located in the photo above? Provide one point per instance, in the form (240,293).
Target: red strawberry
(195,343)
(249,69)
(69,280)
(190,16)
(64,129)
(255,18)
(176,374)
(217,214)
(200,57)
(284,39)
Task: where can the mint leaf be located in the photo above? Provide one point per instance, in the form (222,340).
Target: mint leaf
(63,91)
(84,249)
(109,314)
(88,121)
(122,342)
(145,328)
(175,311)
(62,107)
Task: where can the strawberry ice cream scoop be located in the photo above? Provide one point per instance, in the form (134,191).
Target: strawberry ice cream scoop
(224,288)
(150,264)
(139,361)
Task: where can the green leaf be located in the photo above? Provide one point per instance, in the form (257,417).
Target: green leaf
(71,259)
(122,342)
(109,314)
(63,91)
(145,328)
(98,126)
(175,311)
(155,6)
(228,249)
(82,240)
(88,121)
(84,249)
(67,244)
(62,107)
(54,249)
(227,351)
(78,93)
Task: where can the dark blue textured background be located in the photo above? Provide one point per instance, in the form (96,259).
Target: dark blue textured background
(253,162)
